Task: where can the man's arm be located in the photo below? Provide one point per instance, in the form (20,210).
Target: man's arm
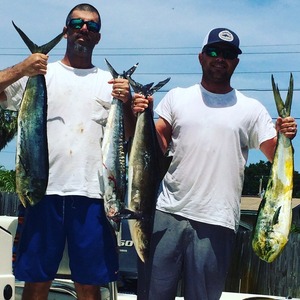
(163,128)
(288,127)
(33,65)
(164,133)
(268,148)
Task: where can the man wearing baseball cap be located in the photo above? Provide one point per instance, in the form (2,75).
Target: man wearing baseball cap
(224,36)
(208,128)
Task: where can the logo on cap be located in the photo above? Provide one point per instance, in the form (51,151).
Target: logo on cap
(225,35)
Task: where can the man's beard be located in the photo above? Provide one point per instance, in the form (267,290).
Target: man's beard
(80,48)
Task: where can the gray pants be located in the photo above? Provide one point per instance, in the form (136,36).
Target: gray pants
(195,252)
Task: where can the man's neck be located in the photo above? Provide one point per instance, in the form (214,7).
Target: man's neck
(77,62)
(216,88)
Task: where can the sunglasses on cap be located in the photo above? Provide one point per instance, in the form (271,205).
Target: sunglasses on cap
(216,52)
(78,24)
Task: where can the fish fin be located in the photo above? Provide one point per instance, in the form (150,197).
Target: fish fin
(46,48)
(112,71)
(60,119)
(139,88)
(125,74)
(126,147)
(105,105)
(115,224)
(147,89)
(130,71)
(126,214)
(34,48)
(283,109)
(159,86)
(22,200)
(289,97)
(23,165)
(262,204)
(276,216)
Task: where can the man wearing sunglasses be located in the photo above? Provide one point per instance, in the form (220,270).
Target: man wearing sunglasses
(208,128)
(72,209)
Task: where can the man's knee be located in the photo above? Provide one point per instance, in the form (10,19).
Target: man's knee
(87,292)
(36,290)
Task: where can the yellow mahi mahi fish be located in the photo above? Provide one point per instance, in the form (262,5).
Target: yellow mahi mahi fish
(275,212)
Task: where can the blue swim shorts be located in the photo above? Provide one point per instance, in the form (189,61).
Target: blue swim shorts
(46,227)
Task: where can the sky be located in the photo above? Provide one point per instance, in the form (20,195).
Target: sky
(165,37)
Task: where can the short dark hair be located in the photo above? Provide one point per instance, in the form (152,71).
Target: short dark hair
(84,7)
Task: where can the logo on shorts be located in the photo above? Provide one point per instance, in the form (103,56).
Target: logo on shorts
(226,36)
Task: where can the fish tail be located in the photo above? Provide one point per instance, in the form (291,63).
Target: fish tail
(112,71)
(22,200)
(289,97)
(284,109)
(49,46)
(115,74)
(34,48)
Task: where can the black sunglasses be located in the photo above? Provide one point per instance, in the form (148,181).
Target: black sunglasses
(216,52)
(78,24)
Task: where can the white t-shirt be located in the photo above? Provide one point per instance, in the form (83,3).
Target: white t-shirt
(74,127)
(211,136)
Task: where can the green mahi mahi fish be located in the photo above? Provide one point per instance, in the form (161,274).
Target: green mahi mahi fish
(275,212)
(32,163)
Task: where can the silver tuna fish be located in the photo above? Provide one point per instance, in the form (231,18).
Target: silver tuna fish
(32,165)
(147,166)
(114,157)
(275,212)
